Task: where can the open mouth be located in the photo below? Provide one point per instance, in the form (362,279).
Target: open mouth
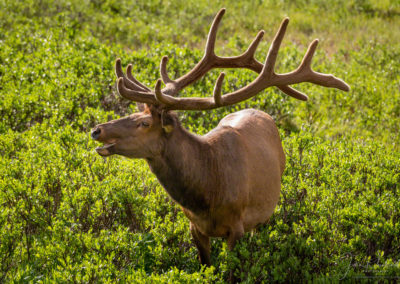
(106,150)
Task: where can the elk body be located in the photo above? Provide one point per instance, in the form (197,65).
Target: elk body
(227,181)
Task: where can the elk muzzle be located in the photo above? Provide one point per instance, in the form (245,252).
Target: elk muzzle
(96,133)
(108,148)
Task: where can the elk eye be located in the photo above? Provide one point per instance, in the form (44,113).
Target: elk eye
(144,124)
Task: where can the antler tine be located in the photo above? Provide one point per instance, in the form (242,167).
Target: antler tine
(128,81)
(163,99)
(120,74)
(203,66)
(269,65)
(293,93)
(163,70)
(306,62)
(326,80)
(212,35)
(245,60)
(133,79)
(251,50)
(118,68)
(137,96)
(217,90)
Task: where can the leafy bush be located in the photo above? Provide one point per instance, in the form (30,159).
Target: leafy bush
(67,215)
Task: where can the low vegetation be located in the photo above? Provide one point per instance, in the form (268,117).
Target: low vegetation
(67,215)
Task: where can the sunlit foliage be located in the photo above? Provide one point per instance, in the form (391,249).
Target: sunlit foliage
(67,215)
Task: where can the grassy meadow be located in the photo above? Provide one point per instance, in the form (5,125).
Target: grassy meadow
(68,215)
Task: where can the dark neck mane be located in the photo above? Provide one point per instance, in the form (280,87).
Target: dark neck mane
(186,170)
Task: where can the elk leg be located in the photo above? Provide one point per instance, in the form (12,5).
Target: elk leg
(232,239)
(235,234)
(202,243)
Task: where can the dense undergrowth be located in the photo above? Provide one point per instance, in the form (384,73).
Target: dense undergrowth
(67,215)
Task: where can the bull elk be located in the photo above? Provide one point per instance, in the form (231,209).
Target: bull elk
(229,180)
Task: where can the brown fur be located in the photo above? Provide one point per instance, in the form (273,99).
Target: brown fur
(227,181)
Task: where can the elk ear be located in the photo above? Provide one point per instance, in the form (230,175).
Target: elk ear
(147,108)
(167,122)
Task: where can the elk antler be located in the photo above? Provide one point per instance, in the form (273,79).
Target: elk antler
(132,89)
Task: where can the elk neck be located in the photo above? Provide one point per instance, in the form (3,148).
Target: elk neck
(186,170)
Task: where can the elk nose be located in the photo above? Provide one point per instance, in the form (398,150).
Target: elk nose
(96,133)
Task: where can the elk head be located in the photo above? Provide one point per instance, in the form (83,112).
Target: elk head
(139,135)
(142,134)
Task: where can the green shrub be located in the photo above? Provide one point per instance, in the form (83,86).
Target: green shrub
(67,215)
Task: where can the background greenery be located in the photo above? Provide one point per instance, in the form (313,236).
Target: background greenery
(67,215)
